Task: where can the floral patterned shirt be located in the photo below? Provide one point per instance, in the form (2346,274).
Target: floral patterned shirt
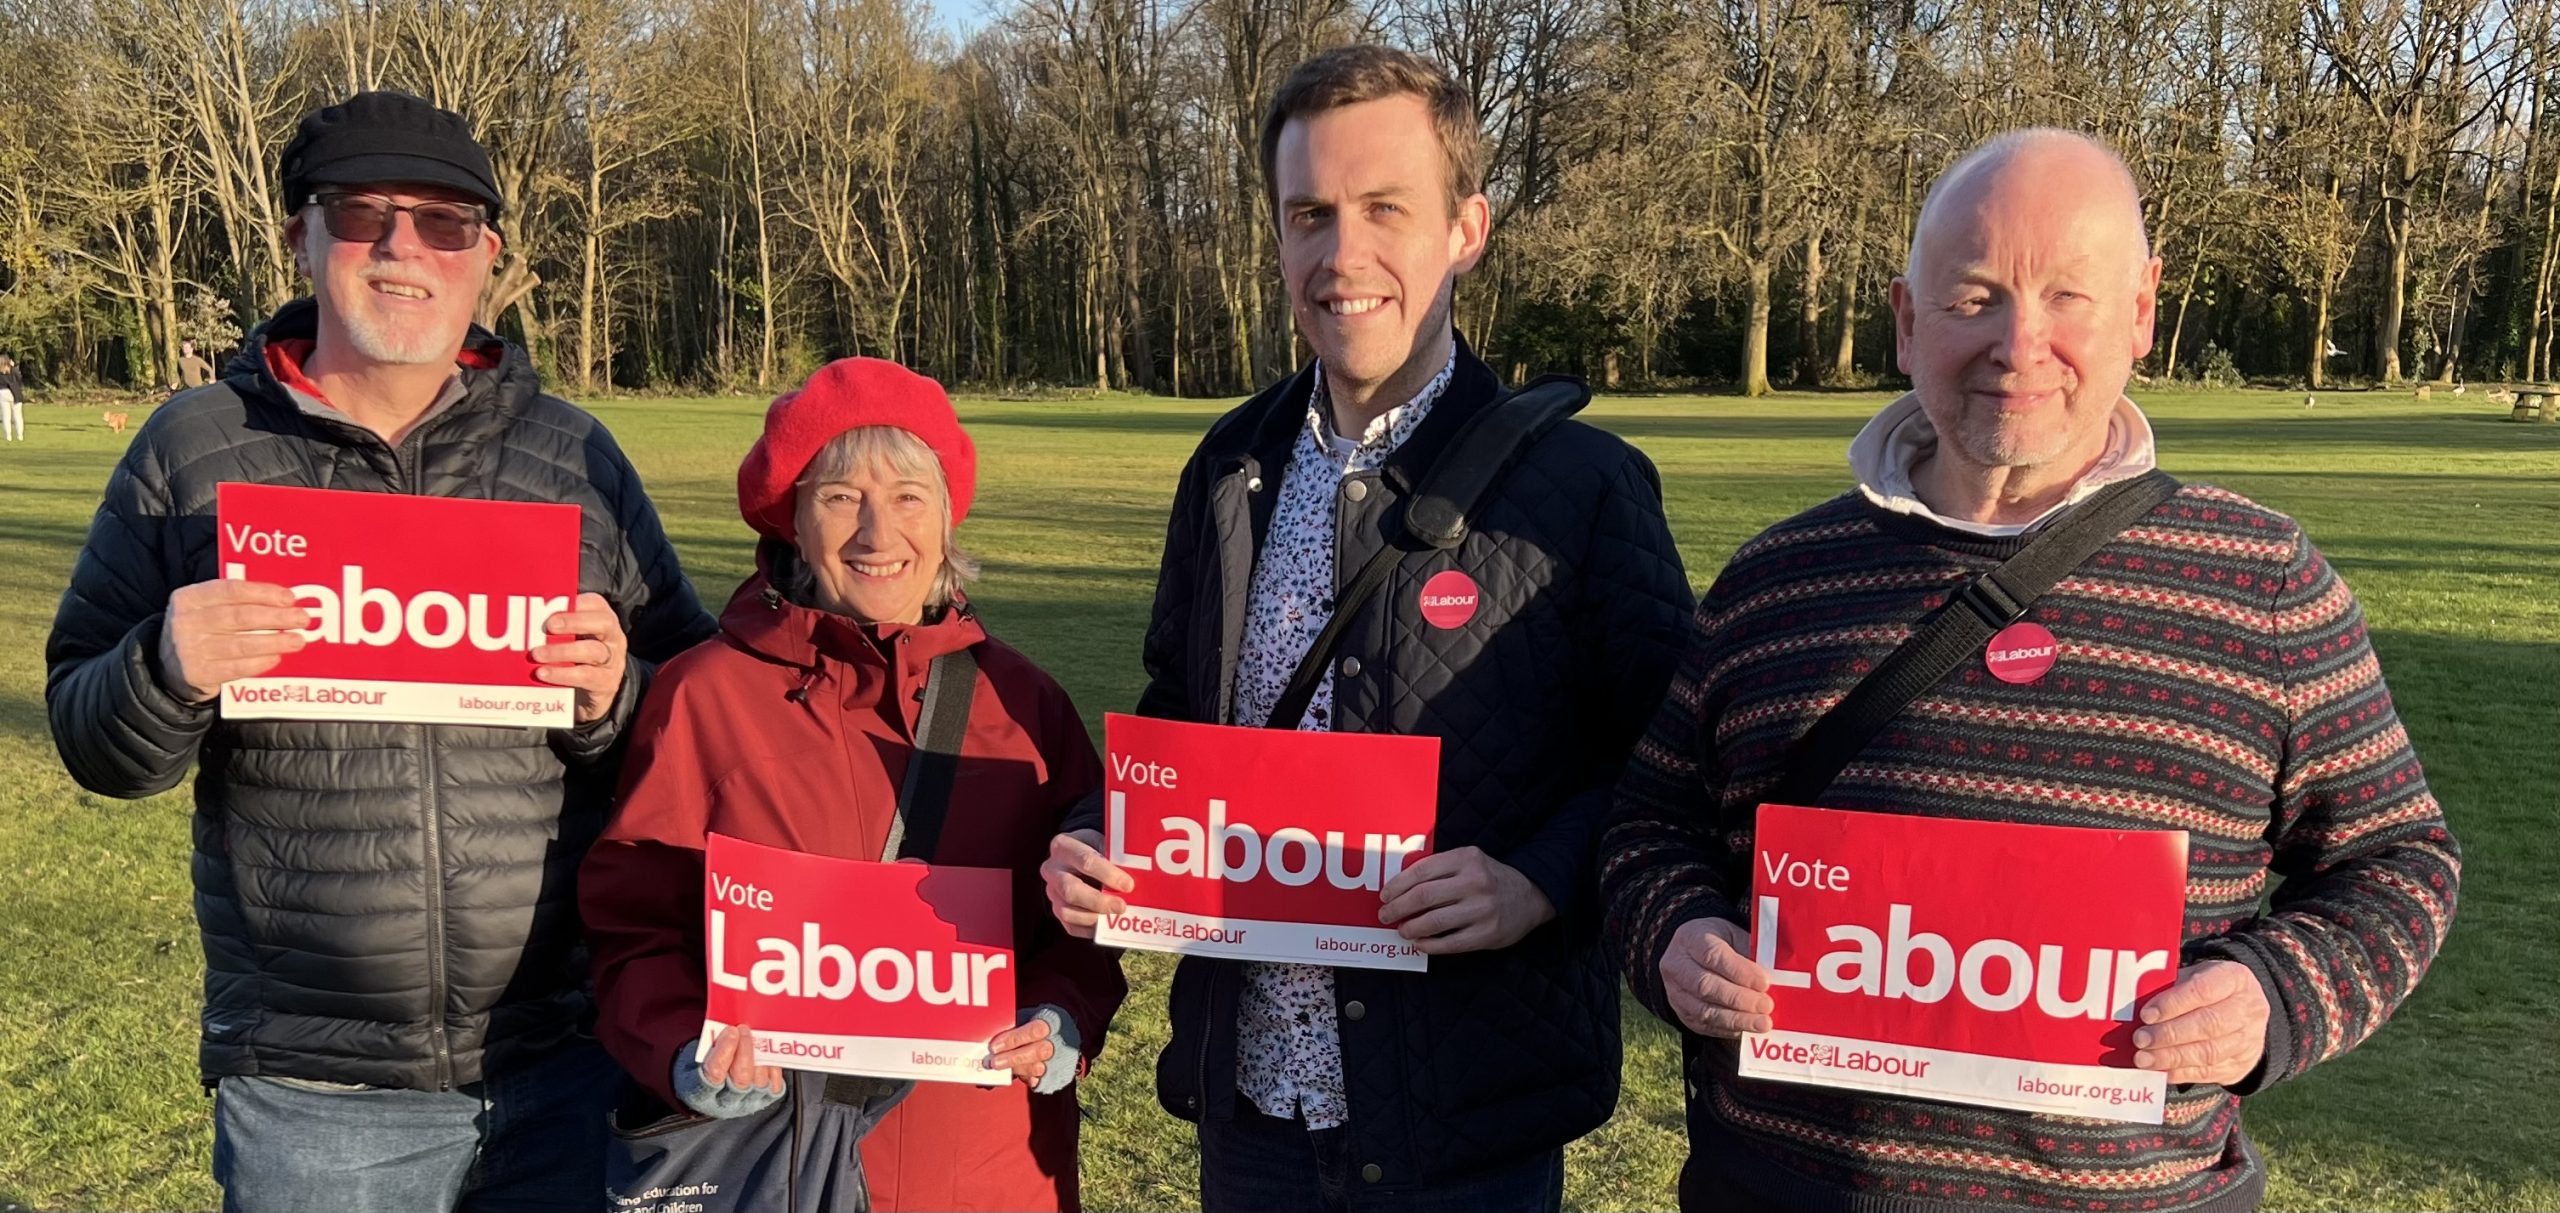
(1288,1045)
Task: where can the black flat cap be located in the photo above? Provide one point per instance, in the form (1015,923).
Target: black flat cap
(382,137)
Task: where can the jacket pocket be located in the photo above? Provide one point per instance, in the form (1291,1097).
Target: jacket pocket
(660,1126)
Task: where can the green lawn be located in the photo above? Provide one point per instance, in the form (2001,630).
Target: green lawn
(2444,516)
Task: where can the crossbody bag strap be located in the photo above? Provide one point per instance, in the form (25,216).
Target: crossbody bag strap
(1955,631)
(1435,517)
(942,724)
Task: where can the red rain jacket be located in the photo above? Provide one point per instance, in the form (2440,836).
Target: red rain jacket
(722,744)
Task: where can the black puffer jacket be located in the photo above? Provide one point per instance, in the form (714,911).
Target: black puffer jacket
(1582,612)
(388,904)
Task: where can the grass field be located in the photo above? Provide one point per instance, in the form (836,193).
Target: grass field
(2445,519)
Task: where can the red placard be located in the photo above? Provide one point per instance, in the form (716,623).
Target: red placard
(424,609)
(1972,961)
(1264,844)
(895,970)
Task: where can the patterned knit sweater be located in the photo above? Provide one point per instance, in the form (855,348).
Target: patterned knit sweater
(2213,675)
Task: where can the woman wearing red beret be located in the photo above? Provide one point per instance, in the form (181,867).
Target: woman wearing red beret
(794,728)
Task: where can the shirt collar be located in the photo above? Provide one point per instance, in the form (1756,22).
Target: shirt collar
(1388,430)
(286,356)
(1894,442)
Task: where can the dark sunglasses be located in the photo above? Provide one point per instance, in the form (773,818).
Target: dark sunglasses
(364,219)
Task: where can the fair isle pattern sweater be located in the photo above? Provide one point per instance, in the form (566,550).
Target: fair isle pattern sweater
(2212,675)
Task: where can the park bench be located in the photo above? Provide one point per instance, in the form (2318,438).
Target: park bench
(2529,401)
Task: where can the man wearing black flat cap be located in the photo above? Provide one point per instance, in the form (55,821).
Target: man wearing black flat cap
(395,990)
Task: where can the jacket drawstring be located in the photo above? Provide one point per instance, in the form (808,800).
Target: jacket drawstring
(800,693)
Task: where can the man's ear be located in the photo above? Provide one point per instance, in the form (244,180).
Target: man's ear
(2146,310)
(1905,315)
(295,228)
(1471,231)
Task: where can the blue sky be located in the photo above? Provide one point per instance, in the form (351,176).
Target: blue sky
(960,18)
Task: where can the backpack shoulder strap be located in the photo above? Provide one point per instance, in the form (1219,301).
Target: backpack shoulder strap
(942,724)
(1436,517)
(1951,634)
(1478,455)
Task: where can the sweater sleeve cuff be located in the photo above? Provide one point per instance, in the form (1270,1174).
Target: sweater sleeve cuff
(1644,969)
(2275,1063)
(1557,859)
(591,742)
(149,687)
(1085,815)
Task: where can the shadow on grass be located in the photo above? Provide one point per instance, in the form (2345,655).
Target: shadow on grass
(22,714)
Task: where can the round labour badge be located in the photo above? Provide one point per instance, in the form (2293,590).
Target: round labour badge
(1449,599)
(2020,653)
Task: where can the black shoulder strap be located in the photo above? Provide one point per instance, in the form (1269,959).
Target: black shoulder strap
(942,723)
(1436,517)
(1954,632)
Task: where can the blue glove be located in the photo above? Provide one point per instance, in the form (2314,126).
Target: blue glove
(1069,1045)
(726,1100)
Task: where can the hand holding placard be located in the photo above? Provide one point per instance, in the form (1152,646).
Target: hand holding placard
(587,653)
(1024,1050)
(733,1055)
(1711,982)
(2209,1027)
(1463,901)
(1082,883)
(216,631)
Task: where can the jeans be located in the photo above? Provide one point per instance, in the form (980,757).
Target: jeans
(531,1138)
(1262,1164)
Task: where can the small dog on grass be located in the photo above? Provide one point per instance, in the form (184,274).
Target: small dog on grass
(115,420)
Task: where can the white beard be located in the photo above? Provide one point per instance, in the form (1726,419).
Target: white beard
(380,341)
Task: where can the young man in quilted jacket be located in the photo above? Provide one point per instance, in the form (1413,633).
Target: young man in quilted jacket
(394,991)
(1457,1087)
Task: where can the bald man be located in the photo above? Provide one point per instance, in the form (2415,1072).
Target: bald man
(2210,670)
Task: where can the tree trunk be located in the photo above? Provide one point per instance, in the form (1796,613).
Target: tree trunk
(2320,339)
(2398,216)
(589,268)
(1809,318)
(1844,359)
(752,117)
(2178,327)
(2537,345)
(2395,294)
(1755,332)
(164,276)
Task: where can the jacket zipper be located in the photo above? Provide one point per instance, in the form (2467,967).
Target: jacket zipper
(435,911)
(407,475)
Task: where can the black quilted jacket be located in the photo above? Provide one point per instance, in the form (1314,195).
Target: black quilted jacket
(1581,614)
(388,904)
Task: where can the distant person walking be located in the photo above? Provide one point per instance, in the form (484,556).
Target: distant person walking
(193,370)
(13,401)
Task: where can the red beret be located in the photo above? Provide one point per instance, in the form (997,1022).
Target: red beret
(849,394)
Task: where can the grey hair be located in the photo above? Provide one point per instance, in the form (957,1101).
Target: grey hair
(907,455)
(1996,152)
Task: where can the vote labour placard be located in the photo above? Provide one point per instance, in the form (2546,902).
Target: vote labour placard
(1264,844)
(895,970)
(1971,961)
(423,609)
